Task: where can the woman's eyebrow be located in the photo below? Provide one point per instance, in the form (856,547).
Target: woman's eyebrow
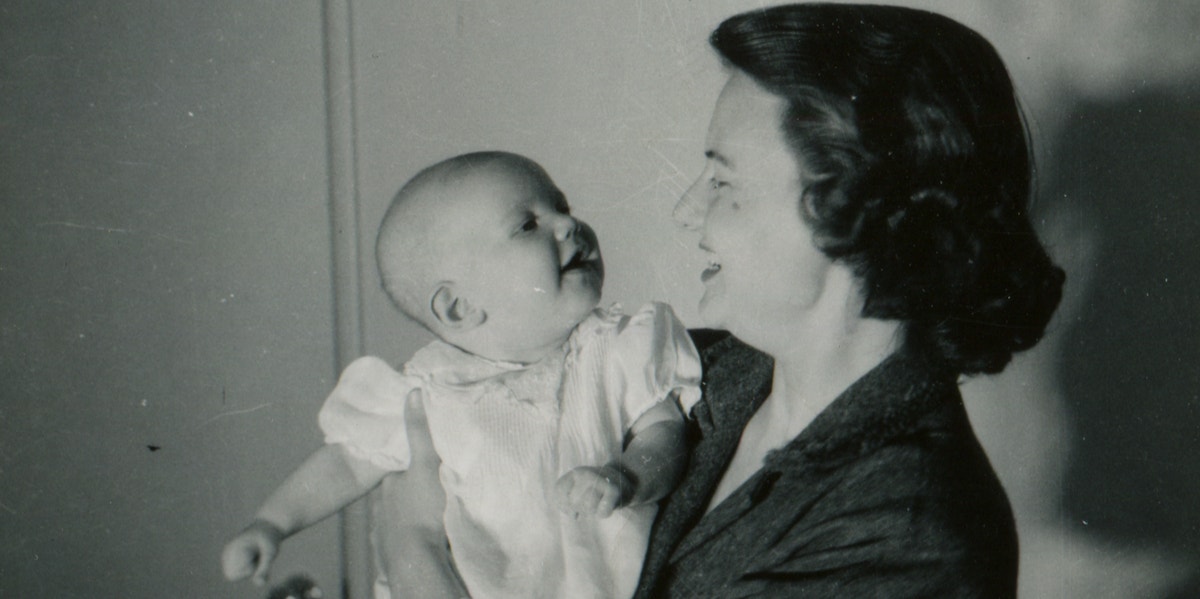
(719,158)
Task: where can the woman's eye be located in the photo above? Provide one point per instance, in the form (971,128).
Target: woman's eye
(717,183)
(529,225)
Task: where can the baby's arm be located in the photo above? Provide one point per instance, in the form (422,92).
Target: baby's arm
(648,469)
(327,481)
(410,533)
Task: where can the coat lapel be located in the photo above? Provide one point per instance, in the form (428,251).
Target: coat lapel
(737,381)
(885,403)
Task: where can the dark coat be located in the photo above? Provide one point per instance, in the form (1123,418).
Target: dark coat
(887,493)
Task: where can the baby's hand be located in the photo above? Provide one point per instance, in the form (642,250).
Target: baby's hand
(593,491)
(251,552)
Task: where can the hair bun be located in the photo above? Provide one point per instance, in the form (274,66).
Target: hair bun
(935,195)
(928,201)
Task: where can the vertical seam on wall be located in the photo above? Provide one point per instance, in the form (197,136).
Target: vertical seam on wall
(345,244)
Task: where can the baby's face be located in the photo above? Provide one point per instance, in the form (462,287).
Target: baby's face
(519,254)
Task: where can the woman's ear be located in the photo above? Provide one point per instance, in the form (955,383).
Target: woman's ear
(454,311)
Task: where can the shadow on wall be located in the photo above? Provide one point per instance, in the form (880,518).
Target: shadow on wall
(1129,365)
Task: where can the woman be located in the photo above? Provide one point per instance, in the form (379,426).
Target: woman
(864,207)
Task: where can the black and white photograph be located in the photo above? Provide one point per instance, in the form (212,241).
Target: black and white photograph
(618,299)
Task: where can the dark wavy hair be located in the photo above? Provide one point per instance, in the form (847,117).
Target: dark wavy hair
(918,172)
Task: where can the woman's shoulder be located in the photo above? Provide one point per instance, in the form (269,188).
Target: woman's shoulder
(705,339)
(729,361)
(736,378)
(935,476)
(720,345)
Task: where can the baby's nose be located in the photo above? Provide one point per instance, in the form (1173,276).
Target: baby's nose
(566,228)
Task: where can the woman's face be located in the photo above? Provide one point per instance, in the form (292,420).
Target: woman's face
(764,269)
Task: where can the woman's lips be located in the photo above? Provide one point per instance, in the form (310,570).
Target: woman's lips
(714,262)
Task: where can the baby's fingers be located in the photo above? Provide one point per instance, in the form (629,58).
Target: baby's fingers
(562,492)
(266,555)
(237,560)
(610,498)
(592,494)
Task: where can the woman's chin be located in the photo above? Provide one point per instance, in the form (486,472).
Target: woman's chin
(710,313)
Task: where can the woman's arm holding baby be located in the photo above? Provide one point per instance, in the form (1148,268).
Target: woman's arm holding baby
(411,536)
(326,482)
(647,470)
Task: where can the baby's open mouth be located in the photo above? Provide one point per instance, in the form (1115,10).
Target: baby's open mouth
(581,258)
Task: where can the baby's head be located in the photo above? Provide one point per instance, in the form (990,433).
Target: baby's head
(482,250)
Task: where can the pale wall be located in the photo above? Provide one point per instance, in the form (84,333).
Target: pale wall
(164,247)
(164,281)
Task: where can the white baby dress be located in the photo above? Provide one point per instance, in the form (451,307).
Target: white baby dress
(505,432)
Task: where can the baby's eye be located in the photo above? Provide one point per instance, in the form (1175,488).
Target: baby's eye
(717,183)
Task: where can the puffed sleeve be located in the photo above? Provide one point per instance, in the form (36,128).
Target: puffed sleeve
(365,413)
(656,356)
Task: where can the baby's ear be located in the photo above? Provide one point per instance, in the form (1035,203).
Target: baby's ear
(454,311)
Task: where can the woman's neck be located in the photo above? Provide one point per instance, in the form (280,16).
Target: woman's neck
(811,373)
(819,352)
(823,350)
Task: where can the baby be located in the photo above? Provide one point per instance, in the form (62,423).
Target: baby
(558,424)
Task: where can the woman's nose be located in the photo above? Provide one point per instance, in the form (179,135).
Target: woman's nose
(692,206)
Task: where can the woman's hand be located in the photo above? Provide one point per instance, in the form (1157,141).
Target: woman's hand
(252,551)
(409,525)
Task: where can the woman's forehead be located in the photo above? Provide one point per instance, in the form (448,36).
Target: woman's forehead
(746,115)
